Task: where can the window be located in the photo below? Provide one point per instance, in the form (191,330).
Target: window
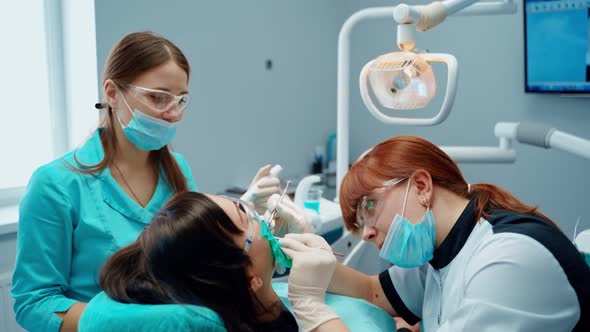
(38,58)
(26,138)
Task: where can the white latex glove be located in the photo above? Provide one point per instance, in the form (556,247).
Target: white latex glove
(313,267)
(262,187)
(289,217)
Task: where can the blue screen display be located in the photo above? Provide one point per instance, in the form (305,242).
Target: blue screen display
(557,35)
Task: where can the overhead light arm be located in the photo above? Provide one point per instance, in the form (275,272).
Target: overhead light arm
(425,17)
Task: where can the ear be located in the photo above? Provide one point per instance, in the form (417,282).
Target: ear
(110,92)
(255,283)
(423,181)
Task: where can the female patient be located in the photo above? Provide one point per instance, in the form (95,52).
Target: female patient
(202,250)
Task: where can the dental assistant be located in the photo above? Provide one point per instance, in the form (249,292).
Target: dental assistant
(465,257)
(89,203)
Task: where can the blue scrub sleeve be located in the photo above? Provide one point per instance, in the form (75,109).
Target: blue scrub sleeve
(44,251)
(186,170)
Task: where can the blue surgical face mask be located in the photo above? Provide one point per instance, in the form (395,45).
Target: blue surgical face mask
(146,132)
(407,245)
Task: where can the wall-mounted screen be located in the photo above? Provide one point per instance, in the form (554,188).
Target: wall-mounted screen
(557,46)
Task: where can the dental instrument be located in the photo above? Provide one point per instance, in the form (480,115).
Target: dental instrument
(274,211)
(334,252)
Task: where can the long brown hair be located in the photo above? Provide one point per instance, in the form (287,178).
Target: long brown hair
(186,255)
(130,57)
(398,157)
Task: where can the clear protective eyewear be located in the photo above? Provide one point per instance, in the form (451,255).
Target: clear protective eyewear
(367,209)
(252,216)
(264,233)
(157,100)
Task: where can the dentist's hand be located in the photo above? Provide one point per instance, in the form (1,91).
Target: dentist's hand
(289,217)
(313,267)
(262,187)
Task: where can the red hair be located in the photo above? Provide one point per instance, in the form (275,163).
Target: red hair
(398,157)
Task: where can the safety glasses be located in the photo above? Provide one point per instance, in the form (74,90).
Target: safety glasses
(264,232)
(252,216)
(368,208)
(157,100)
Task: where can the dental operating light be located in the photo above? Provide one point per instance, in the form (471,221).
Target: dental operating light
(404,80)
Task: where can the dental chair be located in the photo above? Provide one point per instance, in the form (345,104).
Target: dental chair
(105,314)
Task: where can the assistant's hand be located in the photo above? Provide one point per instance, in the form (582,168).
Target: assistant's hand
(313,267)
(262,187)
(289,217)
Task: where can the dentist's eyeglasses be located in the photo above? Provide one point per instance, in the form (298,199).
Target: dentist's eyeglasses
(157,100)
(367,209)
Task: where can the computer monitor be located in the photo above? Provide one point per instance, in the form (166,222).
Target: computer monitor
(557,46)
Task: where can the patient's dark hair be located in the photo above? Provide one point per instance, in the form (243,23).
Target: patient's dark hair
(186,255)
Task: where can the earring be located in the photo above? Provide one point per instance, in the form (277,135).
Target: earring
(424,200)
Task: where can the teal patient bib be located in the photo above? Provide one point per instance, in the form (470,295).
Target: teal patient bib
(106,314)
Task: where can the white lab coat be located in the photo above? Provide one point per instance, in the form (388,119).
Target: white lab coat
(513,273)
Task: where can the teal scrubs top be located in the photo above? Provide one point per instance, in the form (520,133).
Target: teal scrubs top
(69,224)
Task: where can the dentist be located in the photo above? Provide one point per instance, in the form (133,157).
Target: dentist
(465,257)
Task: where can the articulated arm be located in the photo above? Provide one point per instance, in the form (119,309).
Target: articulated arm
(423,18)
